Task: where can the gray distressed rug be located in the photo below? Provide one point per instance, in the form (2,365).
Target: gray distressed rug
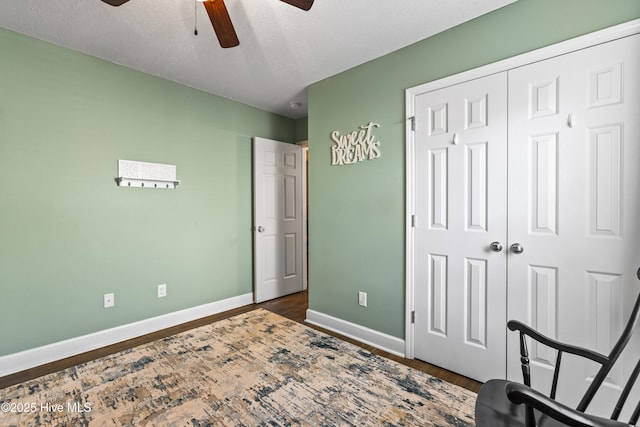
(254,369)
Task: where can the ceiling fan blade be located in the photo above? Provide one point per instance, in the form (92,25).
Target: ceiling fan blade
(221,22)
(115,2)
(302,4)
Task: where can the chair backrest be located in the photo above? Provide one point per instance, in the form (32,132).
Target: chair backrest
(626,335)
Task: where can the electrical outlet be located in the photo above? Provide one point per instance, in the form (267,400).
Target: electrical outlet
(109,300)
(362,299)
(162,290)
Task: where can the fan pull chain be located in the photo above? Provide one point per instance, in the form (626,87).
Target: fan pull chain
(195,17)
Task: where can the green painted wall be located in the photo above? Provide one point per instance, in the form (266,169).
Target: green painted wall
(301,129)
(357,229)
(68,234)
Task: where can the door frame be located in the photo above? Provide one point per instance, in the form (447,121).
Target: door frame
(561,48)
(305,215)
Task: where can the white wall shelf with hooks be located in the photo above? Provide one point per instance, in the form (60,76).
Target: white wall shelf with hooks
(146,175)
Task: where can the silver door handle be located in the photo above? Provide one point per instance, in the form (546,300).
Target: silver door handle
(260,229)
(517,248)
(496,246)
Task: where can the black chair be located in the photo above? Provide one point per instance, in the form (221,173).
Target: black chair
(503,403)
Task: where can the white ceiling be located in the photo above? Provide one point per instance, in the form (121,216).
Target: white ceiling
(282,49)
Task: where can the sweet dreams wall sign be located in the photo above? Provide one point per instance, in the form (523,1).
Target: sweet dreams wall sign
(356,146)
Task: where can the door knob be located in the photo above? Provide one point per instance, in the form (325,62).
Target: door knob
(496,246)
(517,248)
(260,229)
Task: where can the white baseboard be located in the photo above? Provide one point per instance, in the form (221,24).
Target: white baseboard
(365,335)
(17,362)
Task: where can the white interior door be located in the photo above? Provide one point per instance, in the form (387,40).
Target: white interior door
(460,204)
(574,157)
(278,219)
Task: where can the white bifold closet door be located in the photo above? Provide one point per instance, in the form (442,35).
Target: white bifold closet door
(574,207)
(461,195)
(544,161)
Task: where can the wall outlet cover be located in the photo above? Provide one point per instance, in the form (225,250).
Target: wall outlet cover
(109,300)
(362,299)
(162,290)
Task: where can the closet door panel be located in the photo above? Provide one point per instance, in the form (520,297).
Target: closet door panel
(574,151)
(460,166)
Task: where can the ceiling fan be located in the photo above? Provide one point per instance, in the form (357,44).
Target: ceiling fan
(220,19)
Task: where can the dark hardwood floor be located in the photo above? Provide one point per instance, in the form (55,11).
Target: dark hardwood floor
(292,307)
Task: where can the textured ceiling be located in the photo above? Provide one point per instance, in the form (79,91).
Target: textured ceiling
(282,49)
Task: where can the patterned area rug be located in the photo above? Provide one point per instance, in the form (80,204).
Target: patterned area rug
(254,369)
